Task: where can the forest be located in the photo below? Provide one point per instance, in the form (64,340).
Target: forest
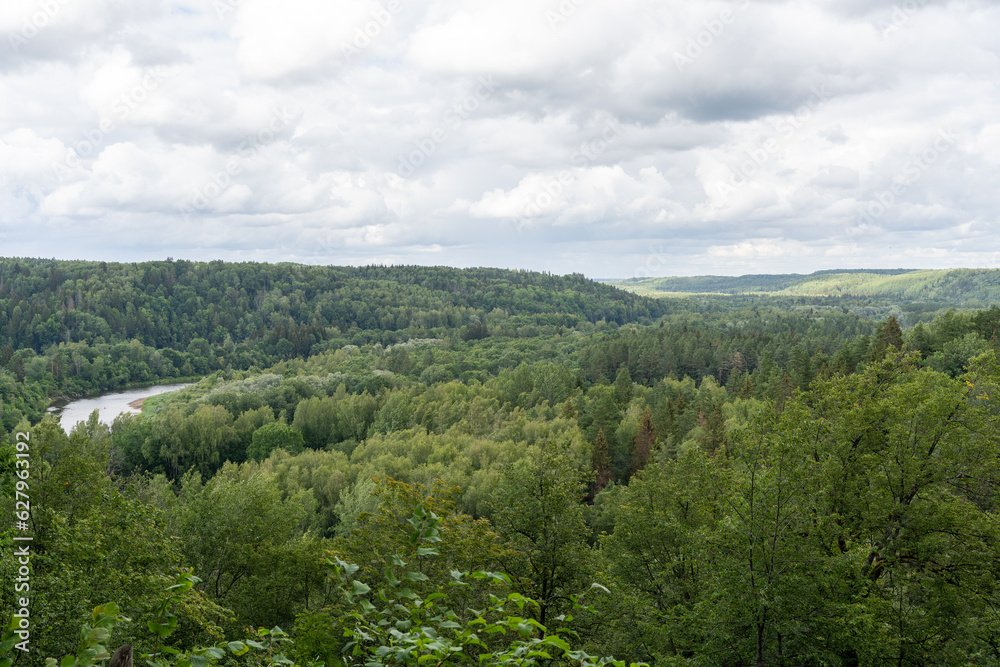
(410,465)
(970,288)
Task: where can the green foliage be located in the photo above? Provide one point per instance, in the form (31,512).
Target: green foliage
(314,419)
(855,527)
(954,356)
(92,539)
(601,463)
(787,489)
(264,643)
(979,286)
(92,638)
(244,540)
(398,626)
(316,478)
(382,531)
(889,338)
(654,558)
(272,436)
(645,443)
(70,328)
(202,440)
(537,508)
(193,307)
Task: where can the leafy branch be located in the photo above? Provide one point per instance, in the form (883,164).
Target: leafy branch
(396,626)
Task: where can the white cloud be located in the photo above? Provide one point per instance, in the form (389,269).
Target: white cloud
(284,37)
(771,149)
(755,249)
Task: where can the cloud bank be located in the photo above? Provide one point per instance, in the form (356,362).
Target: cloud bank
(610,138)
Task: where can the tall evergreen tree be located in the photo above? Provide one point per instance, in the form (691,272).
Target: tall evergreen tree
(601,463)
(623,386)
(644,441)
(889,338)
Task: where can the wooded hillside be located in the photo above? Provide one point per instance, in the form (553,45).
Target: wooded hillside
(746,481)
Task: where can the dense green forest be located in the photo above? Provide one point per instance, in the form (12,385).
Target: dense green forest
(402,465)
(77,327)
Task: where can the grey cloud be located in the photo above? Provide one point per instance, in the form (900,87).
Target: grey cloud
(837,177)
(327,186)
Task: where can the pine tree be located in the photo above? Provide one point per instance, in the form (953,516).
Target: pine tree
(784,391)
(601,462)
(892,333)
(920,340)
(644,441)
(889,337)
(17,368)
(800,365)
(623,386)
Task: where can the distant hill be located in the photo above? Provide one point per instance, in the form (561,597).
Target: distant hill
(175,303)
(957,287)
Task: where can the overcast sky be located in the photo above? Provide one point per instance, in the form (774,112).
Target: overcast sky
(615,138)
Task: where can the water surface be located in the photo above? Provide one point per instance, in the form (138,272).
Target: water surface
(109,405)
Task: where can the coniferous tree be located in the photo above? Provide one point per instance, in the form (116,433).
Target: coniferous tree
(17,368)
(920,340)
(784,391)
(889,338)
(892,333)
(644,441)
(800,366)
(623,386)
(601,462)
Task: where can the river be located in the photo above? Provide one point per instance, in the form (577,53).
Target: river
(109,405)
